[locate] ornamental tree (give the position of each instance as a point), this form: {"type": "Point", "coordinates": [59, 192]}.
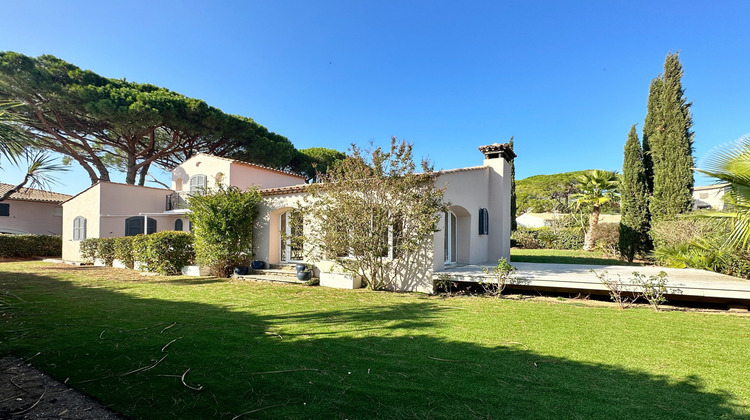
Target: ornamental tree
{"type": "Point", "coordinates": [223, 222]}
{"type": "Point", "coordinates": [373, 214]}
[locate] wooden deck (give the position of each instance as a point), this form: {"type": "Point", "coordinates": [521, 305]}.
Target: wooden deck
{"type": "Point", "coordinates": [682, 284]}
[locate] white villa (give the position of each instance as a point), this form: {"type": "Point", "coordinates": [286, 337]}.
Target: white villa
{"type": "Point", "coordinates": [711, 196]}
{"type": "Point", "coordinates": [475, 230]}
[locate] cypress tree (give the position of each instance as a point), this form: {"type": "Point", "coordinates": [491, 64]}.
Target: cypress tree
{"type": "Point", "coordinates": [513, 206]}
{"type": "Point", "coordinates": [653, 120]}
{"type": "Point", "coordinates": [671, 146]}
{"type": "Point", "coordinates": [634, 224]}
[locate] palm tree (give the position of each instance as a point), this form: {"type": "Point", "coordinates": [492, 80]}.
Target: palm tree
{"type": "Point", "coordinates": [732, 164]}
{"type": "Point", "coordinates": [15, 146]}
{"type": "Point", "coordinates": [596, 188]}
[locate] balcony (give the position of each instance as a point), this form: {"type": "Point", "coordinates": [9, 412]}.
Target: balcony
{"type": "Point", "coordinates": [177, 200]}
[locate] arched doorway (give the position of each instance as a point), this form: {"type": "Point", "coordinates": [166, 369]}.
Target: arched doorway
{"type": "Point", "coordinates": [450, 241]}
{"type": "Point", "coordinates": [290, 237]}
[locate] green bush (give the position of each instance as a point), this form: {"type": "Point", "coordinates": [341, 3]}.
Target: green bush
{"type": "Point", "coordinates": [223, 223]}
{"type": "Point", "coordinates": [87, 249]}
{"type": "Point", "coordinates": [164, 252]}
{"type": "Point", "coordinates": [123, 247]}
{"type": "Point", "coordinates": [525, 238]}
{"type": "Point", "coordinates": [24, 246]}
{"type": "Point", "coordinates": [569, 238]}
{"type": "Point", "coordinates": [105, 250]}
{"type": "Point", "coordinates": [545, 237]}
{"type": "Point", "coordinates": [607, 238]}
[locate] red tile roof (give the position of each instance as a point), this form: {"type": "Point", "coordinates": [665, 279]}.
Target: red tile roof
{"type": "Point", "coordinates": [33, 194]}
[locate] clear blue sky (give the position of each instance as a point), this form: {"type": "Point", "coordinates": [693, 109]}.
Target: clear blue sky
{"type": "Point", "coordinates": [566, 78]}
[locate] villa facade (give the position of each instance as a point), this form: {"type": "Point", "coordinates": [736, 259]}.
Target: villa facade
{"type": "Point", "coordinates": [475, 230]}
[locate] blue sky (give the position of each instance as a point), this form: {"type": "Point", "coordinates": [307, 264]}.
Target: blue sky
{"type": "Point", "coordinates": [567, 79]}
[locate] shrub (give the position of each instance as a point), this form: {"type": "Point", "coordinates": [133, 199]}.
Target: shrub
{"type": "Point", "coordinates": [24, 246]}
{"type": "Point", "coordinates": [87, 249]}
{"type": "Point", "coordinates": [685, 230]}
{"type": "Point", "coordinates": [498, 277]}
{"type": "Point", "coordinates": [164, 252]}
{"type": "Point", "coordinates": [105, 250]}
{"type": "Point", "coordinates": [525, 238]}
{"type": "Point", "coordinates": [569, 238]}
{"type": "Point", "coordinates": [123, 247]}
{"type": "Point", "coordinates": [606, 238]}
{"type": "Point", "coordinates": [223, 222]}
{"type": "Point", "coordinates": [546, 237]}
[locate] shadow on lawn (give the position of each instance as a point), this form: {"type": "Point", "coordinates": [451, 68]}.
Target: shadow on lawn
{"type": "Point", "coordinates": [244, 361]}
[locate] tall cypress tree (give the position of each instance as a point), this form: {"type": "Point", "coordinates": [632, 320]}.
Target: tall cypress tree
{"type": "Point", "coordinates": [671, 146]}
{"type": "Point", "coordinates": [634, 224]}
{"type": "Point", "coordinates": [513, 206]}
{"type": "Point", "coordinates": [653, 120]}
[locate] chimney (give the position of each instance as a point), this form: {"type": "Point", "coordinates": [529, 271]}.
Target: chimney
{"type": "Point", "coordinates": [496, 151]}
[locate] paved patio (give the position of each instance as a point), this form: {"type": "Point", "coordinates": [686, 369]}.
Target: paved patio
{"type": "Point", "coordinates": [689, 283]}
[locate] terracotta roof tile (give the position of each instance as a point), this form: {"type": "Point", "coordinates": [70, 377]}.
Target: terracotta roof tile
{"type": "Point", "coordinates": [33, 194]}
{"type": "Point", "coordinates": [284, 190]}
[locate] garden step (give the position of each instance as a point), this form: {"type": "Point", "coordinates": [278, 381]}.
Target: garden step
{"type": "Point", "coordinates": [283, 267]}
{"type": "Point", "coordinates": [275, 272]}
{"type": "Point", "coordinates": [271, 278]}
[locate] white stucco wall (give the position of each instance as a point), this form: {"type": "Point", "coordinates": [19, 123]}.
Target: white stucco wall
{"type": "Point", "coordinates": [35, 217]}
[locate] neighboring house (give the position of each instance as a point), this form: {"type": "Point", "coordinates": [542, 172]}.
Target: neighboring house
{"type": "Point", "coordinates": [710, 196]}
{"type": "Point", "coordinates": [475, 230]}
{"type": "Point", "coordinates": [537, 220]}
{"type": "Point", "coordinates": [31, 210]}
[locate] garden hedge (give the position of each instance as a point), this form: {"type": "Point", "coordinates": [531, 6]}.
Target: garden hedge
{"type": "Point", "coordinates": [24, 246]}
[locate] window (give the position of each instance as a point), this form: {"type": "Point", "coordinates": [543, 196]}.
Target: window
{"type": "Point", "coordinates": [4, 209]}
{"type": "Point", "coordinates": [703, 195]}
{"type": "Point", "coordinates": [79, 228]}
{"type": "Point", "coordinates": [197, 184]}
{"type": "Point", "coordinates": [134, 226]}
{"type": "Point", "coordinates": [484, 222]}
{"type": "Point", "coordinates": [178, 225]}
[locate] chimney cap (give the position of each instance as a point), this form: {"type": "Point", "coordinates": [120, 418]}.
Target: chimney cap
{"type": "Point", "coordinates": [495, 150]}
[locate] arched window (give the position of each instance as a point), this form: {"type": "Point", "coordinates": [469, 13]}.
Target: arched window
{"type": "Point", "coordinates": [484, 222]}
{"type": "Point", "coordinates": [79, 228]}
{"type": "Point", "coordinates": [178, 225]}
{"type": "Point", "coordinates": [134, 226]}
{"type": "Point", "coordinates": [197, 184]}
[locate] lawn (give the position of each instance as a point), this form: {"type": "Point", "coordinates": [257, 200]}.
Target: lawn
{"type": "Point", "coordinates": [564, 256]}
{"type": "Point", "coordinates": [289, 351]}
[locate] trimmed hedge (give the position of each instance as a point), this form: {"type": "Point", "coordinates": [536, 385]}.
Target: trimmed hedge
{"type": "Point", "coordinates": [163, 252]}
{"type": "Point", "coordinates": [24, 246]}
{"type": "Point", "coordinates": [548, 238]}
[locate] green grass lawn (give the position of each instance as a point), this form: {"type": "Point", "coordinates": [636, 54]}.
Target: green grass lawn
{"type": "Point", "coordinates": [289, 351]}
{"type": "Point", "coordinates": [563, 256]}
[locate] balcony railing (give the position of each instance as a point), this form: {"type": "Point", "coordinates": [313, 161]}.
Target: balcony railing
{"type": "Point", "coordinates": [177, 200]}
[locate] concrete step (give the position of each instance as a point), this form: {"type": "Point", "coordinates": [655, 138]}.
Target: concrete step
{"type": "Point", "coordinates": [271, 278]}
{"type": "Point", "coordinates": [275, 272]}
{"type": "Point", "coordinates": [284, 267]}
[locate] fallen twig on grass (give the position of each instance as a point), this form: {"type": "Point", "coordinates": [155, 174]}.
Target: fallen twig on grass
{"type": "Point", "coordinates": [287, 370]}
{"type": "Point", "coordinates": [167, 345]}
{"type": "Point", "coordinates": [273, 333]}
{"type": "Point", "coordinates": [141, 369]}
{"type": "Point", "coordinates": [100, 334]}
{"type": "Point", "coordinates": [256, 410]}
{"type": "Point", "coordinates": [182, 378]}
{"type": "Point", "coordinates": [32, 405]}
{"type": "Point", "coordinates": [449, 360]}
{"type": "Point", "coordinates": [168, 327]}
{"type": "Point", "coordinates": [519, 343]}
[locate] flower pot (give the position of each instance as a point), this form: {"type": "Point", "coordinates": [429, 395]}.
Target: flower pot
{"type": "Point", "coordinates": [240, 271]}
{"type": "Point", "coordinates": [301, 267]}
{"type": "Point", "coordinates": [258, 265]}
{"type": "Point", "coordinates": [304, 275]}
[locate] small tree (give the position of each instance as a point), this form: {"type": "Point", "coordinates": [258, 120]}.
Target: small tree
{"type": "Point", "coordinates": [497, 277]}
{"type": "Point", "coordinates": [223, 223]}
{"type": "Point", "coordinates": [597, 188]}
{"type": "Point", "coordinates": [373, 215]}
